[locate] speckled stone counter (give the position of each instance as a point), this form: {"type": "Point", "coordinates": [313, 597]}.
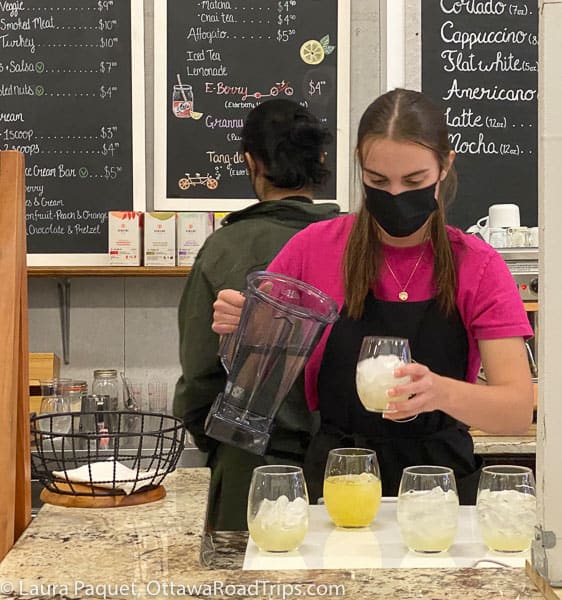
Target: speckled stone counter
{"type": "Point", "coordinates": [159, 550]}
{"type": "Point", "coordinates": [495, 444]}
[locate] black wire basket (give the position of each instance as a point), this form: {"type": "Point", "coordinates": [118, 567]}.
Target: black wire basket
{"type": "Point", "coordinates": [120, 452]}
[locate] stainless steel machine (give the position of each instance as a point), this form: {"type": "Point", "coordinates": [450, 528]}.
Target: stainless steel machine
{"type": "Point", "coordinates": [524, 266]}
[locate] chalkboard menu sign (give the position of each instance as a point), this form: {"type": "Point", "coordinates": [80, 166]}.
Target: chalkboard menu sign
{"type": "Point", "coordinates": [68, 102]}
{"type": "Point", "coordinates": [479, 60]}
{"type": "Point", "coordinates": [215, 60]}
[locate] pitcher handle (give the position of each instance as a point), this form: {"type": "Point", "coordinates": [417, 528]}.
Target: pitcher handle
{"type": "Point", "coordinates": [226, 350]}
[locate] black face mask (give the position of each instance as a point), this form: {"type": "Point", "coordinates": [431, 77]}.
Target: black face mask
{"type": "Point", "coordinates": [402, 214]}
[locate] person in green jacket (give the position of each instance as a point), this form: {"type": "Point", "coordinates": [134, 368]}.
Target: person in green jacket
{"type": "Point", "coordinates": [284, 147]}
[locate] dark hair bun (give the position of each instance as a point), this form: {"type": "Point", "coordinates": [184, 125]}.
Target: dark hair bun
{"type": "Point", "coordinates": [289, 141]}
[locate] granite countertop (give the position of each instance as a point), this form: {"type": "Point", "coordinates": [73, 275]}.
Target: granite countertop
{"type": "Point", "coordinates": [156, 551]}
{"type": "Point", "coordinates": [505, 444]}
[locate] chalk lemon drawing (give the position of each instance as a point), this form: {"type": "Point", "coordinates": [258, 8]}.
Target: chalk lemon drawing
{"type": "Point", "coordinates": [196, 115]}
{"type": "Point", "coordinates": [313, 52]}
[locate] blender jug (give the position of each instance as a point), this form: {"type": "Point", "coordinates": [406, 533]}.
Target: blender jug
{"type": "Point", "coordinates": [281, 323]}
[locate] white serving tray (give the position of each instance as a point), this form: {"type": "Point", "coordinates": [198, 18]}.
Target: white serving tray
{"type": "Point", "coordinates": [378, 546]}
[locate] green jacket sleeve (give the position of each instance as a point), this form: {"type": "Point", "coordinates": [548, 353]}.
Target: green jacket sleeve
{"type": "Point", "coordinates": [203, 376]}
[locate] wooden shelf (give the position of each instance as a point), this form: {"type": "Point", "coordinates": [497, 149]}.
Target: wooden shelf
{"type": "Point", "coordinates": [101, 271]}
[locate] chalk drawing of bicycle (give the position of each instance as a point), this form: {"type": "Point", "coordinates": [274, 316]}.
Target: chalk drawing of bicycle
{"type": "Point", "coordinates": [212, 183]}
{"type": "Point", "coordinates": [278, 88]}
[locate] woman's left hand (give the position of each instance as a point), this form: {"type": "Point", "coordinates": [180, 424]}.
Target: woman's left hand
{"type": "Point", "coordinates": [424, 392]}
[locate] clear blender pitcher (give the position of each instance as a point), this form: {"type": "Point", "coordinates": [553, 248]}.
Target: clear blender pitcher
{"type": "Point", "coordinates": [281, 323]}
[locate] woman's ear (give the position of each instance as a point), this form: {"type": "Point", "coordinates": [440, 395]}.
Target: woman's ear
{"type": "Point", "coordinates": [445, 169]}
{"type": "Point", "coordinates": [251, 164]}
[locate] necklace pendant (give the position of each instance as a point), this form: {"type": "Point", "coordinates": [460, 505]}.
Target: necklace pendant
{"type": "Point", "coordinates": [403, 295]}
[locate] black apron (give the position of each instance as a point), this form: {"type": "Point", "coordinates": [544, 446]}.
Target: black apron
{"type": "Point", "coordinates": [437, 341]}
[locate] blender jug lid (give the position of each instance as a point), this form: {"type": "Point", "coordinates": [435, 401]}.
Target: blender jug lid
{"type": "Point", "coordinates": [326, 310]}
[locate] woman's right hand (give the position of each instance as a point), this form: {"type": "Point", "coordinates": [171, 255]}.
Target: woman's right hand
{"type": "Point", "coordinates": [227, 310]}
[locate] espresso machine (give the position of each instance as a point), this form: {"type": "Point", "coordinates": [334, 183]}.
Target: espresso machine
{"type": "Point", "coordinates": [523, 264]}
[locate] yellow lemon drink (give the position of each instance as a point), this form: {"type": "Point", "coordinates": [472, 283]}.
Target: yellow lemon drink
{"type": "Point", "coordinates": [279, 525]}
{"type": "Point", "coordinates": [506, 519]}
{"type": "Point", "coordinates": [428, 519]}
{"type": "Point", "coordinates": [276, 538]}
{"type": "Point", "coordinates": [352, 500]}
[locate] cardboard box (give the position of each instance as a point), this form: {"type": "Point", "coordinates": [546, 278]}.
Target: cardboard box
{"type": "Point", "coordinates": [192, 231]}
{"type": "Point", "coordinates": [42, 365]}
{"type": "Point", "coordinates": [125, 238]}
{"type": "Point", "coordinates": [218, 217]}
{"type": "Point", "coordinates": [160, 239]}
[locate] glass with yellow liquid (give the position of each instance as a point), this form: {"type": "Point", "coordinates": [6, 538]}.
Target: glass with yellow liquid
{"type": "Point", "coordinates": [352, 486]}
{"type": "Point", "coordinates": [278, 508]}
{"type": "Point", "coordinates": [506, 507]}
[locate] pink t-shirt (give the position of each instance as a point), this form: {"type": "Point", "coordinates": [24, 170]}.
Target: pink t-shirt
{"type": "Point", "coordinates": [487, 297]}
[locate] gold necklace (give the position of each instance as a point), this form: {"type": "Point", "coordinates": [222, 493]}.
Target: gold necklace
{"type": "Point", "coordinates": [403, 294]}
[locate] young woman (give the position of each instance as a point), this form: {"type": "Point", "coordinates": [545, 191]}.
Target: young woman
{"type": "Point", "coordinates": [284, 146]}
{"type": "Point", "coordinates": [396, 269]}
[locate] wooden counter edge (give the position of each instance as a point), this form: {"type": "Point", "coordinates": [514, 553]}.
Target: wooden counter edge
{"type": "Point", "coordinates": [541, 583]}
{"type": "Point", "coordinates": [101, 271]}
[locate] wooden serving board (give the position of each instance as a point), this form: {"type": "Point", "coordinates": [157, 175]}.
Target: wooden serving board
{"type": "Point", "coordinates": [71, 500]}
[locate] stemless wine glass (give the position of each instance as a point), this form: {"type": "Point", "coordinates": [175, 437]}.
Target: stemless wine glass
{"type": "Point", "coordinates": [278, 508]}
{"type": "Point", "coordinates": [506, 507]}
{"type": "Point", "coordinates": [378, 358]}
{"type": "Point", "coordinates": [428, 508]}
{"type": "Point", "coordinates": [352, 486]}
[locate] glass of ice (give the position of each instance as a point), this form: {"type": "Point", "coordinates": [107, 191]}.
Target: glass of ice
{"type": "Point", "coordinates": [352, 486]}
{"type": "Point", "coordinates": [378, 358]}
{"type": "Point", "coordinates": [278, 508]}
{"type": "Point", "coordinates": [427, 509]}
{"type": "Point", "coordinates": [506, 507]}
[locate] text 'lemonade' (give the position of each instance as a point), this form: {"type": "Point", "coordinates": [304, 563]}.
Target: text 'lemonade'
{"type": "Point", "coordinates": [374, 377]}
{"type": "Point", "coordinates": [506, 519]}
{"type": "Point", "coordinates": [352, 500]}
{"type": "Point", "coordinates": [279, 525]}
{"type": "Point", "coordinates": [428, 519]}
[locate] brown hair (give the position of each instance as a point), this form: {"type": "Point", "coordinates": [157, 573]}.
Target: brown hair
{"type": "Point", "coordinates": [401, 115]}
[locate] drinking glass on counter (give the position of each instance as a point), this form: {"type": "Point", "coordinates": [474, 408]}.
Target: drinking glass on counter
{"type": "Point", "coordinates": [427, 508]}
{"type": "Point", "coordinates": [378, 358]}
{"type": "Point", "coordinates": [278, 508]}
{"type": "Point", "coordinates": [352, 486]}
{"type": "Point", "coordinates": [506, 507]}
{"type": "Point", "coordinates": [54, 405]}
{"type": "Point", "coordinates": [158, 396]}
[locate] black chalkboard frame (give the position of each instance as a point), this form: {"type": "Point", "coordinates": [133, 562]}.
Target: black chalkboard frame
{"type": "Point", "coordinates": [138, 200]}
{"type": "Point", "coordinates": [163, 201]}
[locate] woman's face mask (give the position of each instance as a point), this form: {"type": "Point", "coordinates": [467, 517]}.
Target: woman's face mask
{"type": "Point", "coordinates": [402, 214]}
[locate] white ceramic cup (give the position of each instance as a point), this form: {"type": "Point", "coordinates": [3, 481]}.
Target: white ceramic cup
{"type": "Point", "coordinates": [503, 215]}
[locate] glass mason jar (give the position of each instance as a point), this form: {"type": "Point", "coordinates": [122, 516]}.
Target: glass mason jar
{"type": "Point", "coordinates": [75, 390]}
{"type": "Point", "coordinates": [106, 384]}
